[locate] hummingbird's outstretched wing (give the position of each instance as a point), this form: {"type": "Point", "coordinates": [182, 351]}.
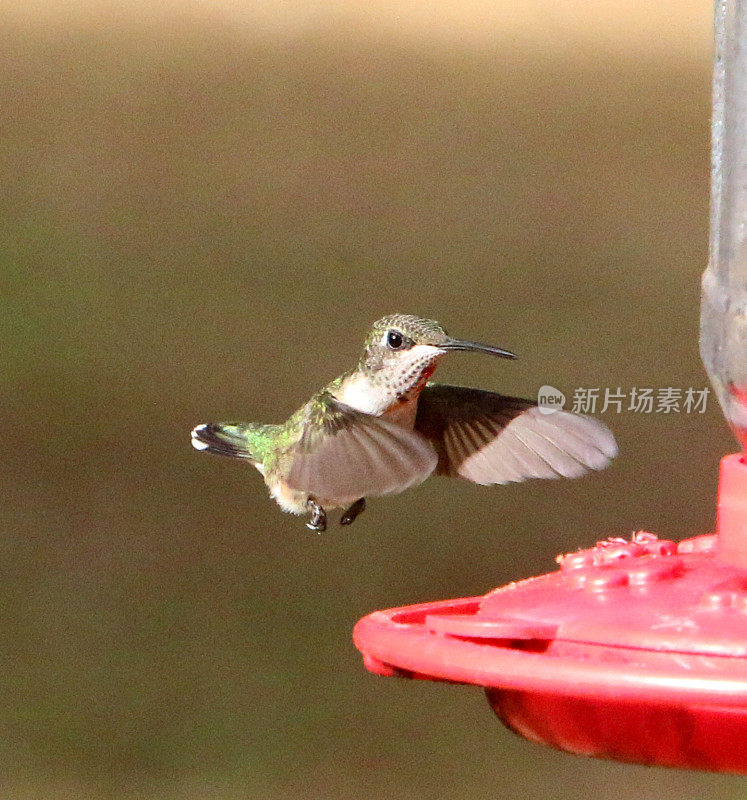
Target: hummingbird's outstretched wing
{"type": "Point", "coordinates": [344, 453]}
{"type": "Point", "coordinates": [490, 438]}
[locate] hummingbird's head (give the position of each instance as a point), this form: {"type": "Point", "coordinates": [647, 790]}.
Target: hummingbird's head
{"type": "Point", "coordinates": [402, 351]}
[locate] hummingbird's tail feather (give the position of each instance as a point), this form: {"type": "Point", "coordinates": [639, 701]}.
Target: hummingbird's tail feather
{"type": "Point", "coordinates": [233, 439]}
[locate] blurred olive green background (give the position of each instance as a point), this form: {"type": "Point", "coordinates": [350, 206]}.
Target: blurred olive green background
{"type": "Point", "coordinates": [203, 206]}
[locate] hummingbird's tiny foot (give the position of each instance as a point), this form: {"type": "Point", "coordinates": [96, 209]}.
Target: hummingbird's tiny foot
{"type": "Point", "coordinates": [350, 515]}
{"type": "Point", "coordinates": [317, 527]}
{"type": "Point", "coordinates": [318, 521]}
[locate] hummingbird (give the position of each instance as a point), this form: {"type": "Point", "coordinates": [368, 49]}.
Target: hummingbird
{"type": "Point", "coordinates": [383, 427]}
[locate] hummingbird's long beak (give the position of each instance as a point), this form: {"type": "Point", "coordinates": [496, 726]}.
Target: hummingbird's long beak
{"type": "Point", "coordinates": [463, 344]}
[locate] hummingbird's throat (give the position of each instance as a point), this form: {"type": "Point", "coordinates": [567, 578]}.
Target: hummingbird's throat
{"type": "Point", "coordinates": [408, 374]}
{"type": "Point", "coordinates": [393, 384]}
{"type": "Point", "coordinates": [426, 373]}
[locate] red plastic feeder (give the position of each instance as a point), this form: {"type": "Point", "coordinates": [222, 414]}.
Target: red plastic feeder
{"type": "Point", "coordinates": [632, 650]}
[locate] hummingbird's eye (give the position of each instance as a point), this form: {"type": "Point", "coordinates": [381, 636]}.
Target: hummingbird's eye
{"type": "Point", "coordinates": [394, 339]}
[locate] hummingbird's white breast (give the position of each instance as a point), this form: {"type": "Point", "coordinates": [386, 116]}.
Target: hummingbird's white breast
{"type": "Point", "coordinates": [393, 390]}
{"type": "Point", "coordinates": [361, 393]}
